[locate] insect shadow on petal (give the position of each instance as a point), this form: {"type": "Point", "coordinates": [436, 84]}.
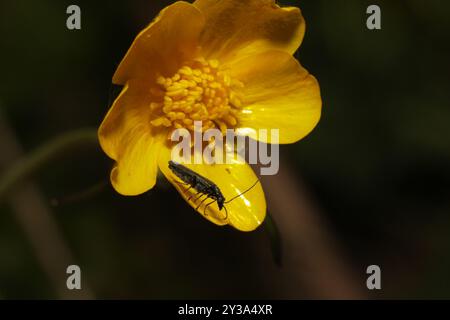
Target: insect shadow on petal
{"type": "Point", "coordinates": [203, 186]}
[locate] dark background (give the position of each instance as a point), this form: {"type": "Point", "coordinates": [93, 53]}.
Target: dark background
{"type": "Point", "coordinates": [377, 165]}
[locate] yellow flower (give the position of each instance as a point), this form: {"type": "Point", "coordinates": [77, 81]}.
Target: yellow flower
{"type": "Point", "coordinates": [226, 62]}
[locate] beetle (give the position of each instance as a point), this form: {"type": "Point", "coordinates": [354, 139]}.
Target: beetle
{"type": "Point", "coordinates": [203, 186]}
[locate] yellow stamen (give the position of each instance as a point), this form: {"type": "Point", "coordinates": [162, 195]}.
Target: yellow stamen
{"type": "Point", "coordinates": [197, 91]}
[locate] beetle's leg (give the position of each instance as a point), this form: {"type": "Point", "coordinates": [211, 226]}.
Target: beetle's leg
{"type": "Point", "coordinates": [207, 197]}
{"type": "Point", "coordinates": [186, 190]}
{"type": "Point", "coordinates": [204, 211]}
{"type": "Point", "coordinates": [181, 183]}
{"type": "Point", "coordinates": [200, 194]}
{"type": "Point", "coordinates": [193, 196]}
{"type": "Point", "coordinates": [198, 198]}
{"type": "Point", "coordinates": [184, 184]}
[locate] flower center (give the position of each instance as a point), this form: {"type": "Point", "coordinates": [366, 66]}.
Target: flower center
{"type": "Point", "coordinates": [199, 91]}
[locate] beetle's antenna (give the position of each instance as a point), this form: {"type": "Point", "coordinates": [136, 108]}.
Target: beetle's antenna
{"type": "Point", "coordinates": [242, 192]}
{"type": "Point", "coordinates": [226, 213]}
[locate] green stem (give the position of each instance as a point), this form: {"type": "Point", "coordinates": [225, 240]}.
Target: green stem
{"type": "Point", "coordinates": [275, 239]}
{"type": "Point", "coordinates": [81, 195]}
{"type": "Point", "coordinates": [43, 155]}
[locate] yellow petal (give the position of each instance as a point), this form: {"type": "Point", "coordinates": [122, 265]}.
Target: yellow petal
{"type": "Point", "coordinates": [236, 28]}
{"type": "Point", "coordinates": [136, 168]}
{"type": "Point", "coordinates": [279, 94]}
{"type": "Point", "coordinates": [244, 213]}
{"type": "Point", "coordinates": [129, 111]}
{"type": "Point", "coordinates": [125, 136]}
{"type": "Point", "coordinates": [164, 45]}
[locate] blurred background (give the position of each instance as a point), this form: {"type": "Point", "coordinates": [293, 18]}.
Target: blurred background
{"type": "Point", "coordinates": [370, 185]}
